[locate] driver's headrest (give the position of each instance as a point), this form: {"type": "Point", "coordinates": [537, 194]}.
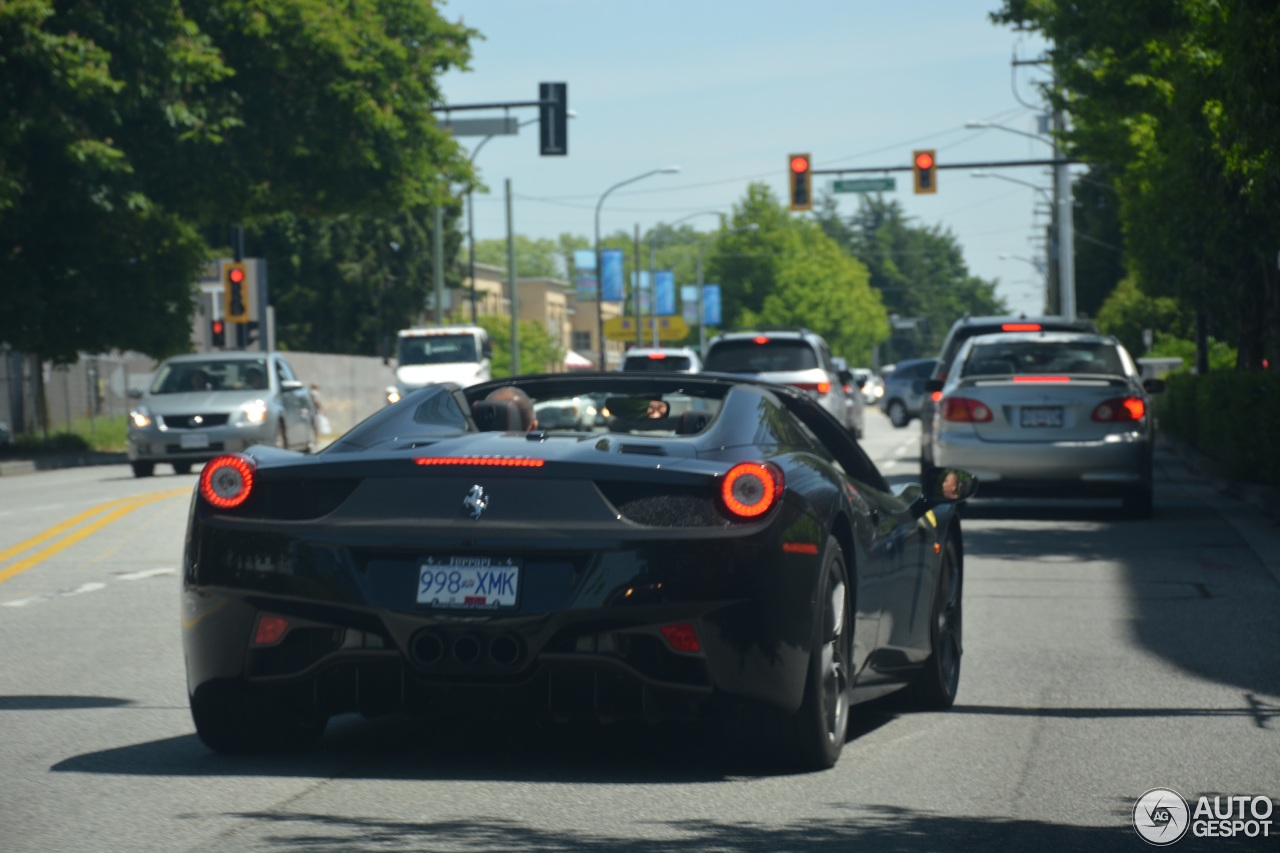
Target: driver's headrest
{"type": "Point", "coordinates": [497, 416]}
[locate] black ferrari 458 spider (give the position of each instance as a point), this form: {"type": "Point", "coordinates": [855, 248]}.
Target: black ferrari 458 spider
{"type": "Point", "coordinates": [687, 546]}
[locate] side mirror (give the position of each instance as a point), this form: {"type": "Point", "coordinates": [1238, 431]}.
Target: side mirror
{"type": "Point", "coordinates": [291, 385]}
{"type": "Point", "coordinates": [134, 393]}
{"type": "Point", "coordinates": [486, 349]}
{"type": "Point", "coordinates": [846, 377]}
{"type": "Point", "coordinates": [1153, 386]}
{"type": "Point", "coordinates": [950, 484]}
{"type": "Point", "coordinates": [931, 385]}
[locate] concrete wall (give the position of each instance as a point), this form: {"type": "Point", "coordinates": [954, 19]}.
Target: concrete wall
{"type": "Point", "coordinates": [351, 387]}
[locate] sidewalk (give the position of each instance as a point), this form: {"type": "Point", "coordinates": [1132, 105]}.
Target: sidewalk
{"type": "Point", "coordinates": [1252, 510]}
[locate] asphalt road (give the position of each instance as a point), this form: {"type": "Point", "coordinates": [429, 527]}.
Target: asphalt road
{"type": "Point", "coordinates": [1103, 658]}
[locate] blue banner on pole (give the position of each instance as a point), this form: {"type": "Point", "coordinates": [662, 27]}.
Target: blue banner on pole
{"type": "Point", "coordinates": [611, 275]}
{"type": "Point", "coordinates": [584, 275]}
{"type": "Point", "coordinates": [641, 286]}
{"type": "Point", "coordinates": [711, 304]}
{"type": "Point", "coordinates": [664, 289]}
{"type": "Point", "coordinates": [689, 303]}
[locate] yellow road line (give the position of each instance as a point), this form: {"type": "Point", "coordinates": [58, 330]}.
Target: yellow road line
{"type": "Point", "coordinates": [122, 507]}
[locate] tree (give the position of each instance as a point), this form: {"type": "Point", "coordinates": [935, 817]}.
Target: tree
{"type": "Point", "coordinates": [919, 273]}
{"type": "Point", "coordinates": [538, 350]}
{"type": "Point", "coordinates": [129, 127]}
{"type": "Point", "coordinates": [788, 272]}
{"type": "Point", "coordinates": [535, 258]}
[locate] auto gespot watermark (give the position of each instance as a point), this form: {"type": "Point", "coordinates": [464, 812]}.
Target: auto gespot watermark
{"type": "Point", "coordinates": [1162, 816]}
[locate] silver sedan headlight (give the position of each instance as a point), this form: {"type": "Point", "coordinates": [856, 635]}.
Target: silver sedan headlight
{"type": "Point", "coordinates": [252, 413]}
{"type": "Point", "coordinates": [140, 418]}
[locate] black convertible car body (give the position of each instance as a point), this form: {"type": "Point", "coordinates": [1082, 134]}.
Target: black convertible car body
{"type": "Point", "coordinates": [732, 552]}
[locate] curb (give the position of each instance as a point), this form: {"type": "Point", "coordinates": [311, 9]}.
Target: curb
{"type": "Point", "coordinates": [51, 462]}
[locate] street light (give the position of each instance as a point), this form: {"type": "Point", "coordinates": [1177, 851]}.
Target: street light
{"type": "Point", "coordinates": [1064, 209]}
{"type": "Point", "coordinates": [665, 170]}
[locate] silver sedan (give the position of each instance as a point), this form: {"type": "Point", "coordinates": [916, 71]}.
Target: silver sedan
{"type": "Point", "coordinates": [200, 406]}
{"type": "Point", "coordinates": [1049, 413]}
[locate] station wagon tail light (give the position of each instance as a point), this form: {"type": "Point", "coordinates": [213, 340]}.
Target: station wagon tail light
{"type": "Point", "coordinates": [1120, 410]}
{"type": "Point", "coordinates": [761, 339]}
{"type": "Point", "coordinates": [657, 355]}
{"type": "Point", "coordinates": [820, 387]}
{"type": "Point", "coordinates": [965, 410]}
{"type": "Point", "coordinates": [227, 481]}
{"type": "Point", "coordinates": [1020, 327]}
{"type": "Point", "coordinates": [750, 489]}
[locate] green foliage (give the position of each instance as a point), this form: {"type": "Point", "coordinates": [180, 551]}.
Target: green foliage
{"type": "Point", "coordinates": [1175, 101]}
{"type": "Point", "coordinates": [106, 434]}
{"type": "Point", "coordinates": [1127, 312]}
{"type": "Point", "coordinates": [1222, 356]}
{"type": "Point", "coordinates": [787, 272]}
{"type": "Point", "coordinates": [538, 350]}
{"type": "Point", "coordinates": [540, 258]}
{"type": "Point", "coordinates": [129, 127]}
{"type": "Point", "coordinates": [919, 272]}
{"type": "Point", "coordinates": [1218, 414]}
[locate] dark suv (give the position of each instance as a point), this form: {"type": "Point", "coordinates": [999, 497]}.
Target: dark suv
{"type": "Point", "coordinates": [961, 331]}
{"type": "Point", "coordinates": [796, 357]}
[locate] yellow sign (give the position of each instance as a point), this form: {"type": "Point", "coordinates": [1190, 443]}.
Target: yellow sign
{"type": "Point", "coordinates": [623, 329]}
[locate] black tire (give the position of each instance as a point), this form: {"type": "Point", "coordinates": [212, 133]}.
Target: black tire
{"type": "Point", "coordinates": [897, 412]}
{"type": "Point", "coordinates": [934, 689]}
{"type": "Point", "coordinates": [1138, 504]}
{"type": "Point", "coordinates": [234, 717]}
{"type": "Point", "coordinates": [143, 469]}
{"type": "Point", "coordinates": [182, 467]}
{"type": "Point", "coordinates": [817, 731]}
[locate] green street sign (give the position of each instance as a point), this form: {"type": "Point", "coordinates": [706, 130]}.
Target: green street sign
{"type": "Point", "coordinates": [864, 185]}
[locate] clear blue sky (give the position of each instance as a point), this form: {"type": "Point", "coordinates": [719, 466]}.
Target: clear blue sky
{"type": "Point", "coordinates": [726, 89]}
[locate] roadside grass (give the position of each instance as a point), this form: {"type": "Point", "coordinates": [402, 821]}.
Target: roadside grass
{"type": "Point", "coordinates": [85, 435]}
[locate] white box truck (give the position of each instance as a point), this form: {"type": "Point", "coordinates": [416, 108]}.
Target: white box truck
{"type": "Point", "coordinates": [433, 354]}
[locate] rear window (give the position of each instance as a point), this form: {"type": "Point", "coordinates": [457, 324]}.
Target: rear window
{"type": "Point", "coordinates": [639, 363]}
{"type": "Point", "coordinates": [972, 330]}
{"type": "Point", "coordinates": [1043, 357]}
{"type": "Point", "coordinates": [748, 356]}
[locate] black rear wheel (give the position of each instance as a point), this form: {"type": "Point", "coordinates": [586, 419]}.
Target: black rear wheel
{"type": "Point", "coordinates": [182, 467]}
{"type": "Point", "coordinates": [935, 687]}
{"type": "Point", "coordinates": [897, 413]}
{"type": "Point", "coordinates": [819, 728]}
{"type": "Point", "coordinates": [143, 469]}
{"type": "Point", "coordinates": [232, 716]}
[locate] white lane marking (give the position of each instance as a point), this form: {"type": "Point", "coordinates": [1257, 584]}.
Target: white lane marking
{"type": "Point", "coordinates": [147, 573]}
{"type": "Point", "coordinates": [92, 586]}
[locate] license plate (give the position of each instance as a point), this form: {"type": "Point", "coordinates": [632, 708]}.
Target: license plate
{"type": "Point", "coordinates": [194, 441]}
{"type": "Point", "coordinates": [475, 583]}
{"type": "Point", "coordinates": [1042, 416]}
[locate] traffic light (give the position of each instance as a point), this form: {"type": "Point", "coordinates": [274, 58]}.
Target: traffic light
{"type": "Point", "coordinates": [235, 281]}
{"type": "Point", "coordinates": [553, 119]}
{"type": "Point", "coordinates": [925, 167]}
{"type": "Point", "coordinates": [801, 180]}
{"type": "Point", "coordinates": [218, 332]}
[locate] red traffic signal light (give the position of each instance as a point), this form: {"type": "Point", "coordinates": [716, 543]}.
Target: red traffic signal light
{"type": "Point", "coordinates": [235, 282]}
{"type": "Point", "coordinates": [925, 166]}
{"type": "Point", "coordinates": [801, 182]}
{"type": "Point", "coordinates": [218, 333]}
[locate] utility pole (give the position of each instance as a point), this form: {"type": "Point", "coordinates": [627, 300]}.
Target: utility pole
{"type": "Point", "coordinates": [515, 290]}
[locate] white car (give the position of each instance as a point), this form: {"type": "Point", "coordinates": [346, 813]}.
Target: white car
{"type": "Point", "coordinates": [661, 360]}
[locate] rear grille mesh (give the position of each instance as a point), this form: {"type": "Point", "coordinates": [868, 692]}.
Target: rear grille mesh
{"type": "Point", "coordinates": [663, 506]}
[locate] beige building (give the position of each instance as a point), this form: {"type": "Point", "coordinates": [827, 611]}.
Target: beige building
{"type": "Point", "coordinates": [550, 302]}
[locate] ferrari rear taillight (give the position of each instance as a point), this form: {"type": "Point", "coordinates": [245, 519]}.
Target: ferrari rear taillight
{"type": "Point", "coordinates": [1120, 410]}
{"type": "Point", "coordinates": [965, 410]}
{"type": "Point", "coordinates": [227, 480]}
{"type": "Point", "coordinates": [681, 637]}
{"type": "Point", "coordinates": [750, 489]}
